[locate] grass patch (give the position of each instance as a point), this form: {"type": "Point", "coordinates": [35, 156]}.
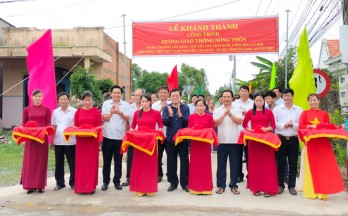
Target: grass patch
{"type": "Point", "coordinates": [11, 158]}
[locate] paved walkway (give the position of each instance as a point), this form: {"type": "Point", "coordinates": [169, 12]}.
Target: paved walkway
{"type": "Point", "coordinates": [15, 201]}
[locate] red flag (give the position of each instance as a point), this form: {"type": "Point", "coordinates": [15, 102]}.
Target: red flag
{"type": "Point", "coordinates": [173, 81]}
{"type": "Point", "coordinates": [42, 75]}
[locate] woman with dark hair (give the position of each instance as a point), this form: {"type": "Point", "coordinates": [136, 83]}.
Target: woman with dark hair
{"type": "Point", "coordinates": [321, 172]}
{"type": "Point", "coordinates": [262, 170]}
{"type": "Point", "coordinates": [144, 172]}
{"type": "Point", "coordinates": [35, 159]}
{"type": "Point", "coordinates": [87, 148]}
{"type": "Point", "coordinates": [200, 170]}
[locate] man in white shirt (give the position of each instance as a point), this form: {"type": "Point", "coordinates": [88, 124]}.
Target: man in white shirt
{"type": "Point", "coordinates": [270, 100]}
{"type": "Point", "coordinates": [132, 108]}
{"type": "Point", "coordinates": [115, 114]}
{"type": "Point", "coordinates": [227, 118]}
{"type": "Point", "coordinates": [278, 91]}
{"type": "Point", "coordinates": [287, 117]}
{"type": "Point", "coordinates": [192, 105]}
{"type": "Point", "coordinates": [163, 93]}
{"type": "Point", "coordinates": [62, 118]}
{"type": "Point", "coordinates": [245, 104]}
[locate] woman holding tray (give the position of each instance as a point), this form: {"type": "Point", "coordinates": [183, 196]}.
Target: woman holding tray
{"type": "Point", "coordinates": [144, 173]}
{"type": "Point", "coordinates": [262, 170]}
{"type": "Point", "coordinates": [321, 173]}
{"type": "Point", "coordinates": [87, 148]}
{"type": "Point", "coordinates": [35, 159]}
{"type": "Point", "coordinates": [200, 170]}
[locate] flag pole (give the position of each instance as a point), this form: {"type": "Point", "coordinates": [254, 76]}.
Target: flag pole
{"type": "Point", "coordinates": [286, 51]}
{"type": "Point", "coordinates": [124, 54]}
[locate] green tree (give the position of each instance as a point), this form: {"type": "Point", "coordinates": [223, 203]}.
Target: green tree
{"type": "Point", "coordinates": [331, 101]}
{"type": "Point", "coordinates": [137, 73]}
{"type": "Point", "coordinates": [280, 81]}
{"type": "Point", "coordinates": [104, 85]}
{"type": "Point", "coordinates": [265, 69]}
{"type": "Point", "coordinates": [262, 80]}
{"type": "Point", "coordinates": [264, 66]}
{"type": "Point", "coordinates": [219, 91]}
{"type": "Point", "coordinates": [84, 79]}
{"type": "Point", "coordinates": [152, 81]}
{"type": "Point", "coordinates": [195, 77]}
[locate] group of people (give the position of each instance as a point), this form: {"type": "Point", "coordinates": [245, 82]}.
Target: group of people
{"type": "Point", "coordinates": [273, 112]}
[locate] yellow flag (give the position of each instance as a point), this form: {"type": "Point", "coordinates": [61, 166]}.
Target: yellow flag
{"type": "Point", "coordinates": [250, 88]}
{"type": "Point", "coordinates": [273, 77]}
{"type": "Point", "coordinates": [302, 80]}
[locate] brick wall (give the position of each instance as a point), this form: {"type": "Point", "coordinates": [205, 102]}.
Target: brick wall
{"type": "Point", "coordinates": [115, 69]}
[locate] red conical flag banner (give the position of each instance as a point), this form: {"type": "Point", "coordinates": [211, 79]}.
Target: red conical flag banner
{"type": "Point", "coordinates": [173, 80]}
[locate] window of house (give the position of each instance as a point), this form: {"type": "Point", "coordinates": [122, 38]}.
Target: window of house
{"type": "Point", "coordinates": [342, 79]}
{"type": "Point", "coordinates": [343, 94]}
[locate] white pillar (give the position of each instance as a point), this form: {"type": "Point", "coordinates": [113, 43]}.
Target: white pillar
{"type": "Point", "coordinates": [87, 62]}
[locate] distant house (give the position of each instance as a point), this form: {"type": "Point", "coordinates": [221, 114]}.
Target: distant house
{"type": "Point", "coordinates": [81, 46]}
{"type": "Point", "coordinates": [330, 57]}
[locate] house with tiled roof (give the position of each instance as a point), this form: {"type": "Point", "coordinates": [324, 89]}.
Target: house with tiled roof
{"type": "Point", "coordinates": [330, 57]}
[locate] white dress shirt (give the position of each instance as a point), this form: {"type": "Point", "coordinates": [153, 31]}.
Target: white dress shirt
{"type": "Point", "coordinates": [158, 106]}
{"type": "Point", "coordinates": [228, 130]}
{"type": "Point", "coordinates": [63, 119]}
{"type": "Point", "coordinates": [279, 101]}
{"type": "Point", "coordinates": [115, 128]}
{"type": "Point", "coordinates": [283, 115]}
{"type": "Point", "coordinates": [132, 109]}
{"type": "Point", "coordinates": [248, 105]}
{"type": "Point", "coordinates": [192, 108]}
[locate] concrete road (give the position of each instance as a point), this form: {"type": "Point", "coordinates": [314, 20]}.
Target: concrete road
{"type": "Point", "coordinates": [15, 201]}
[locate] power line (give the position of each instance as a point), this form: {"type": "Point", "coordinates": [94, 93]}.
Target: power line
{"type": "Point", "coordinates": [275, 7]}
{"type": "Point", "coordinates": [204, 9]}
{"type": "Point", "coordinates": [13, 1]}
{"type": "Point", "coordinates": [258, 8]}
{"type": "Point", "coordinates": [47, 10]}
{"type": "Point", "coordinates": [270, 2]}
{"type": "Point", "coordinates": [184, 14]}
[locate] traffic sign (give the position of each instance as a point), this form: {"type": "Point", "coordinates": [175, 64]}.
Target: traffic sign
{"type": "Point", "coordinates": [322, 82]}
{"type": "Point", "coordinates": [188, 89]}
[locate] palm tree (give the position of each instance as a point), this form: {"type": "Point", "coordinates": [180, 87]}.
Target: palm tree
{"type": "Point", "coordinates": [262, 79]}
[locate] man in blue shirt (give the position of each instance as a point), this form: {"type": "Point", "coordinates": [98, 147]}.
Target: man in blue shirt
{"type": "Point", "coordinates": [175, 116]}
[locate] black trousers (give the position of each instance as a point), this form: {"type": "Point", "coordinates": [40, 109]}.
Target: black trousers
{"type": "Point", "coordinates": [130, 152]}
{"type": "Point", "coordinates": [230, 151]}
{"type": "Point", "coordinates": [288, 149]}
{"type": "Point", "coordinates": [111, 149]}
{"type": "Point", "coordinates": [172, 163]}
{"type": "Point", "coordinates": [161, 149]}
{"type": "Point", "coordinates": [69, 152]}
{"type": "Point", "coordinates": [243, 149]}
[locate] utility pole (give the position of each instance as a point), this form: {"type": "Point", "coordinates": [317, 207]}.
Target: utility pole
{"type": "Point", "coordinates": [124, 54]}
{"type": "Point", "coordinates": [233, 58]}
{"type": "Point", "coordinates": [286, 50]}
{"type": "Point", "coordinates": [344, 53]}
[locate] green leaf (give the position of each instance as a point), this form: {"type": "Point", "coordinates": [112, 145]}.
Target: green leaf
{"type": "Point", "coordinates": [265, 61]}
{"type": "Point", "coordinates": [261, 66]}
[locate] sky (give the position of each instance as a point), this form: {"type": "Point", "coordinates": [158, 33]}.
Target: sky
{"type": "Point", "coordinates": [54, 14]}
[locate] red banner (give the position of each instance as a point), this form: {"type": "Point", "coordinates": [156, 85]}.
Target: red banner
{"type": "Point", "coordinates": [257, 35]}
